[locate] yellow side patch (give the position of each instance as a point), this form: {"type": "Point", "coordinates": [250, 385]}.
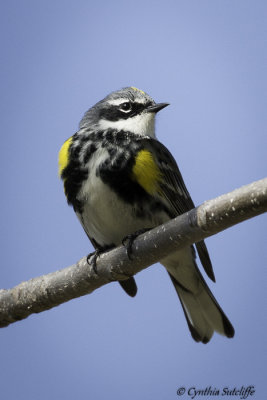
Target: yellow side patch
{"type": "Point", "coordinates": [63, 156]}
{"type": "Point", "coordinates": [138, 90]}
{"type": "Point", "coordinates": [146, 172]}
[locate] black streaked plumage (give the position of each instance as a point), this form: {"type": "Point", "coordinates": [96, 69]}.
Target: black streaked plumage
{"type": "Point", "coordinates": [115, 192]}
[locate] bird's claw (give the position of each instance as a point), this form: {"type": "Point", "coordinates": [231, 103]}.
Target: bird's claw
{"type": "Point", "coordinates": [128, 240]}
{"type": "Point", "coordinates": [91, 259]}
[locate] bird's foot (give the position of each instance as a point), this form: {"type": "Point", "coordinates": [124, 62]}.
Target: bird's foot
{"type": "Point", "coordinates": [128, 240]}
{"type": "Point", "coordinates": [92, 257]}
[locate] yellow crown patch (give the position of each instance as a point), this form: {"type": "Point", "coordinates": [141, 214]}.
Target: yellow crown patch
{"type": "Point", "coordinates": [138, 90]}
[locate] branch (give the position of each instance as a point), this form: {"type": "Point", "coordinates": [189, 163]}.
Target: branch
{"type": "Point", "coordinates": [213, 216]}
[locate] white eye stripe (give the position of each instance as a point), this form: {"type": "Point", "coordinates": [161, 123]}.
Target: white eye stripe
{"type": "Point", "coordinates": [119, 102]}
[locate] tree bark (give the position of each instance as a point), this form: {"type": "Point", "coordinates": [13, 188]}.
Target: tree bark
{"type": "Point", "coordinates": [213, 216]}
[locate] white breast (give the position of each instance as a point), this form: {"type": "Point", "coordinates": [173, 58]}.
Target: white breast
{"type": "Point", "coordinates": [106, 218]}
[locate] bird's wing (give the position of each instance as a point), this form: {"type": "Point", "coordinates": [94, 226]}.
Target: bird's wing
{"type": "Point", "coordinates": [172, 188]}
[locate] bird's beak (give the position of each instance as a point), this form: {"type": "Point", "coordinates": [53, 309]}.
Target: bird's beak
{"type": "Point", "coordinates": [157, 107]}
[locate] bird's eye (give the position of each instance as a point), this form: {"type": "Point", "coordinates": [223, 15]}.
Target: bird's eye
{"type": "Point", "coordinates": [126, 107]}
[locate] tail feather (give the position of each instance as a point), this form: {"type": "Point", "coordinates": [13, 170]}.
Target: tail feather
{"type": "Point", "coordinates": [203, 314]}
{"type": "Point", "coordinates": [213, 312]}
{"type": "Point", "coordinates": [197, 324]}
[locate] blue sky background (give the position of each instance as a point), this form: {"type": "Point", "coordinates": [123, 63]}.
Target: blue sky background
{"type": "Point", "coordinates": [208, 59]}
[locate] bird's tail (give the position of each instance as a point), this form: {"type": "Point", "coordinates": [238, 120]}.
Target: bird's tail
{"type": "Point", "coordinates": [202, 312]}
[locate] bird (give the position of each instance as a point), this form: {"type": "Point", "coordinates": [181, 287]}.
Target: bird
{"type": "Point", "coordinates": [121, 180]}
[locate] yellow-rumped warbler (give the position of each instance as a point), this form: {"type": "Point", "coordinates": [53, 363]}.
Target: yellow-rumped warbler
{"type": "Point", "coordinates": [121, 180]}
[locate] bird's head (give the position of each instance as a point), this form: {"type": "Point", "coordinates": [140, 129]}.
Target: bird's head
{"type": "Point", "coordinates": [128, 109]}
